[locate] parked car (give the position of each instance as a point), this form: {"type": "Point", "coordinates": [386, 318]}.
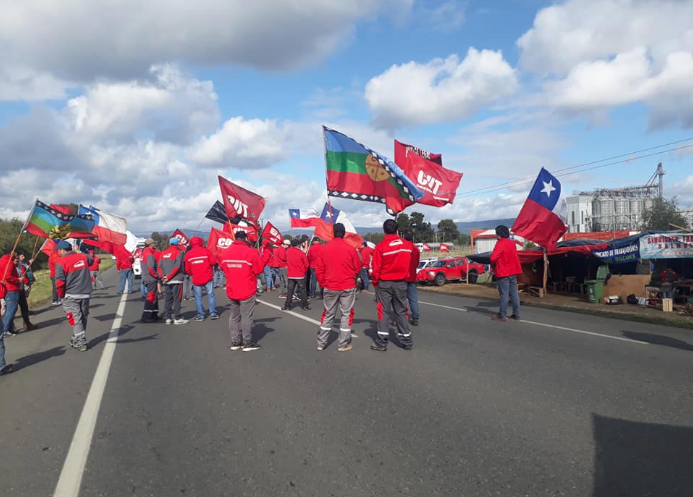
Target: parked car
{"type": "Point", "coordinates": [424, 263]}
{"type": "Point", "coordinates": [451, 269]}
{"type": "Point", "coordinates": [137, 263]}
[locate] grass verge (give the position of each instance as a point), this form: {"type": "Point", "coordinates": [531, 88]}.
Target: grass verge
{"type": "Point", "coordinates": [42, 290]}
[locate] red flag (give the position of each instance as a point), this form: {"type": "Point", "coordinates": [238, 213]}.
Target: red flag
{"type": "Point", "coordinates": [218, 241]}
{"type": "Point", "coordinates": [182, 238]}
{"type": "Point", "coordinates": [240, 202]}
{"type": "Point", "coordinates": [48, 246]}
{"type": "Point", "coordinates": [61, 208]}
{"type": "Point", "coordinates": [272, 234]}
{"type": "Point", "coordinates": [425, 247]}
{"type": "Point", "coordinates": [444, 247]}
{"type": "Point", "coordinates": [426, 171]}
{"type": "Point", "coordinates": [232, 229]}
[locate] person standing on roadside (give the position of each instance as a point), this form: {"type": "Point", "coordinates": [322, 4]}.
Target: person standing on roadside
{"type": "Point", "coordinates": [171, 274]}
{"type": "Point", "coordinates": [199, 264]}
{"type": "Point", "coordinates": [336, 268]}
{"type": "Point", "coordinates": [150, 279]}
{"type": "Point", "coordinates": [73, 279]}
{"type": "Point", "coordinates": [297, 268]}
{"type": "Point", "coordinates": [94, 270]}
{"type": "Point", "coordinates": [506, 266]}
{"type": "Point", "coordinates": [366, 256]}
{"type": "Point", "coordinates": [412, 291]}
{"type": "Point", "coordinates": [242, 265]}
{"type": "Point", "coordinates": [8, 271]}
{"type": "Point", "coordinates": [23, 272]}
{"type": "Point", "coordinates": [313, 256]}
{"type": "Point", "coordinates": [52, 261]}
{"type": "Point", "coordinates": [391, 259]}
{"type": "Point", "coordinates": [124, 267]}
{"type": "Point", "coordinates": [280, 268]}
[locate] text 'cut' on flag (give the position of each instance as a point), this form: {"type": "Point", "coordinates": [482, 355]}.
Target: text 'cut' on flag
{"type": "Point", "coordinates": [269, 232]}
{"type": "Point", "coordinates": [542, 218]}
{"type": "Point", "coordinates": [240, 202]}
{"type": "Point", "coordinates": [356, 172]}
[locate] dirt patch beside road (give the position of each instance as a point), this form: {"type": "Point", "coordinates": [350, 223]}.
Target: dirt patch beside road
{"type": "Point", "coordinates": [574, 303]}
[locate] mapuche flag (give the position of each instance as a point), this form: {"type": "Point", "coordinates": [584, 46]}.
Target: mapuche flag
{"type": "Point", "coordinates": [543, 216]}
{"type": "Point", "coordinates": [272, 234]}
{"type": "Point", "coordinates": [357, 172]}
{"type": "Point", "coordinates": [48, 222]}
{"type": "Point", "coordinates": [240, 202]}
{"type": "Point", "coordinates": [426, 170]}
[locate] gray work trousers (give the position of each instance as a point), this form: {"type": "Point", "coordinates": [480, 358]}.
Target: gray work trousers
{"type": "Point", "coordinates": [77, 311]}
{"type": "Point", "coordinates": [241, 313]}
{"type": "Point", "coordinates": [391, 297]}
{"type": "Point", "coordinates": [344, 299]}
{"type": "Point", "coordinates": [173, 294]}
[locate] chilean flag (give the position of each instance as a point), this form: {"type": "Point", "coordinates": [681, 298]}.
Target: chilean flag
{"type": "Point", "coordinates": [304, 218]}
{"type": "Point", "coordinates": [542, 218]}
{"type": "Point", "coordinates": [107, 227]}
{"type": "Point", "coordinates": [326, 231]}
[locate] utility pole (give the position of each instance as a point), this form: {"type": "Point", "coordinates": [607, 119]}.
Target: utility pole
{"type": "Point", "coordinates": [660, 174]}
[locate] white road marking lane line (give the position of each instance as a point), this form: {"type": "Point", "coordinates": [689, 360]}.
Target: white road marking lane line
{"type": "Point", "coordinates": [546, 325]}
{"type": "Point", "coordinates": [573, 330]}
{"type": "Point", "coordinates": [70, 479]}
{"type": "Point", "coordinates": [300, 316]}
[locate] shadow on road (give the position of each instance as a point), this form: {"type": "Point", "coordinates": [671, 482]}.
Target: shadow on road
{"type": "Point", "coordinates": [659, 340]}
{"type": "Point", "coordinates": [641, 459]}
{"type": "Point", "coordinates": [260, 330]}
{"type": "Point", "coordinates": [32, 359]}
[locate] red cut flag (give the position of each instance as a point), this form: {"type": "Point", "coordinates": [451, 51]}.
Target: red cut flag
{"type": "Point", "coordinates": [426, 171]}
{"type": "Point", "coordinates": [240, 202]}
{"type": "Point", "coordinates": [182, 238]}
{"type": "Point", "coordinates": [232, 229]}
{"type": "Point", "coordinates": [444, 247]}
{"type": "Point", "coordinates": [543, 215]}
{"type": "Point", "coordinates": [425, 247]}
{"type": "Point", "coordinates": [218, 242]}
{"type": "Point", "coordinates": [272, 234]}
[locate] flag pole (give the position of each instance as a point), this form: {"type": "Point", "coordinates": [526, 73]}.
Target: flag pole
{"type": "Point", "coordinates": [16, 242]}
{"type": "Point", "coordinates": [34, 251]}
{"type": "Point", "coordinates": [546, 271]}
{"type": "Point", "coordinates": [327, 191]}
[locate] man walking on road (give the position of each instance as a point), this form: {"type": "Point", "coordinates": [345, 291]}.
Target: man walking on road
{"type": "Point", "coordinates": [391, 260]}
{"type": "Point", "coordinates": [313, 254]}
{"type": "Point", "coordinates": [242, 265]}
{"type": "Point", "coordinates": [94, 270]}
{"type": "Point", "coordinates": [73, 280]}
{"type": "Point", "coordinates": [297, 269]}
{"type": "Point", "coordinates": [199, 264]}
{"type": "Point", "coordinates": [412, 291]}
{"type": "Point", "coordinates": [12, 284]}
{"type": "Point", "coordinates": [366, 256]}
{"type": "Point", "coordinates": [336, 268]}
{"type": "Point", "coordinates": [124, 267]}
{"type": "Point", "coordinates": [171, 274]}
{"type": "Point", "coordinates": [506, 266]}
{"type": "Point", "coordinates": [150, 279]}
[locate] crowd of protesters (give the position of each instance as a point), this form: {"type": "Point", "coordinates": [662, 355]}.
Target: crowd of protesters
{"type": "Point", "coordinates": [300, 269]}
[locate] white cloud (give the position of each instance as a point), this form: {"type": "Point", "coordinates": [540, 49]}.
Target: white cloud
{"type": "Point", "coordinates": [75, 40]}
{"type": "Point", "coordinates": [597, 54]}
{"type": "Point", "coordinates": [23, 83]}
{"type": "Point", "coordinates": [448, 16]}
{"type": "Point", "coordinates": [439, 91]}
{"type": "Point", "coordinates": [170, 106]}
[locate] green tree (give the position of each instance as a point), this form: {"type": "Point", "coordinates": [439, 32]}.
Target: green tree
{"type": "Point", "coordinates": [662, 214]}
{"type": "Point", "coordinates": [463, 240]}
{"type": "Point", "coordinates": [403, 221]}
{"type": "Point", "coordinates": [423, 231]}
{"type": "Point", "coordinates": [29, 245]}
{"type": "Point", "coordinates": [447, 229]}
{"type": "Point", "coordinates": [374, 237]}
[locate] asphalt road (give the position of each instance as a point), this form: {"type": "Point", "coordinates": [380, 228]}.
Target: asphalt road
{"type": "Point", "coordinates": [559, 404]}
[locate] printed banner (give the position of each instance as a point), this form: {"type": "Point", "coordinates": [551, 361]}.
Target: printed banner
{"type": "Point", "coordinates": [666, 246]}
{"type": "Point", "coordinates": [621, 255]}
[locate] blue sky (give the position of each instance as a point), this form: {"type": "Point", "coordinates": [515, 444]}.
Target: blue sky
{"type": "Point", "coordinates": [138, 114]}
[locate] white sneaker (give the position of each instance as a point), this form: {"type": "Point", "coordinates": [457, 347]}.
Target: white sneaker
{"type": "Point", "coordinates": [169, 321]}
{"type": "Point", "coordinates": [180, 321]}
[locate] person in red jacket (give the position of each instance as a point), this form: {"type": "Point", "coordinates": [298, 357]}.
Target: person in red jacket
{"type": "Point", "coordinates": [412, 290]}
{"type": "Point", "coordinates": [242, 265]}
{"type": "Point", "coordinates": [280, 268]}
{"type": "Point", "coordinates": [297, 267]}
{"type": "Point", "coordinates": [265, 258]}
{"type": "Point", "coordinates": [391, 260]}
{"type": "Point", "coordinates": [313, 254]}
{"type": "Point", "coordinates": [94, 270]}
{"type": "Point", "coordinates": [52, 261]}
{"type": "Point", "coordinates": [150, 278]}
{"type": "Point", "coordinates": [336, 268]}
{"type": "Point", "coordinates": [124, 262]}
{"type": "Point", "coordinates": [366, 256]}
{"type": "Point", "coordinates": [199, 264]}
{"type": "Point", "coordinates": [10, 278]}
{"type": "Point", "coordinates": [74, 286]}
{"type": "Point", "coordinates": [506, 266]}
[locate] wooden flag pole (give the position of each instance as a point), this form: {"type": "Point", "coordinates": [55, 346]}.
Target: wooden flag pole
{"type": "Point", "coordinates": [33, 251]}
{"type": "Point", "coordinates": [546, 270]}
{"type": "Point", "coordinates": [16, 242]}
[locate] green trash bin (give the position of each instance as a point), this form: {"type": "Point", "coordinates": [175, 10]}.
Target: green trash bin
{"type": "Point", "coordinates": [595, 290]}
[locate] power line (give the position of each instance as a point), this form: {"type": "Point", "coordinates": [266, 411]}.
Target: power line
{"type": "Point", "coordinates": [526, 180]}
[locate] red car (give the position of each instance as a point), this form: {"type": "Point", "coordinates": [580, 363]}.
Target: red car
{"type": "Point", "coordinates": [454, 268]}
